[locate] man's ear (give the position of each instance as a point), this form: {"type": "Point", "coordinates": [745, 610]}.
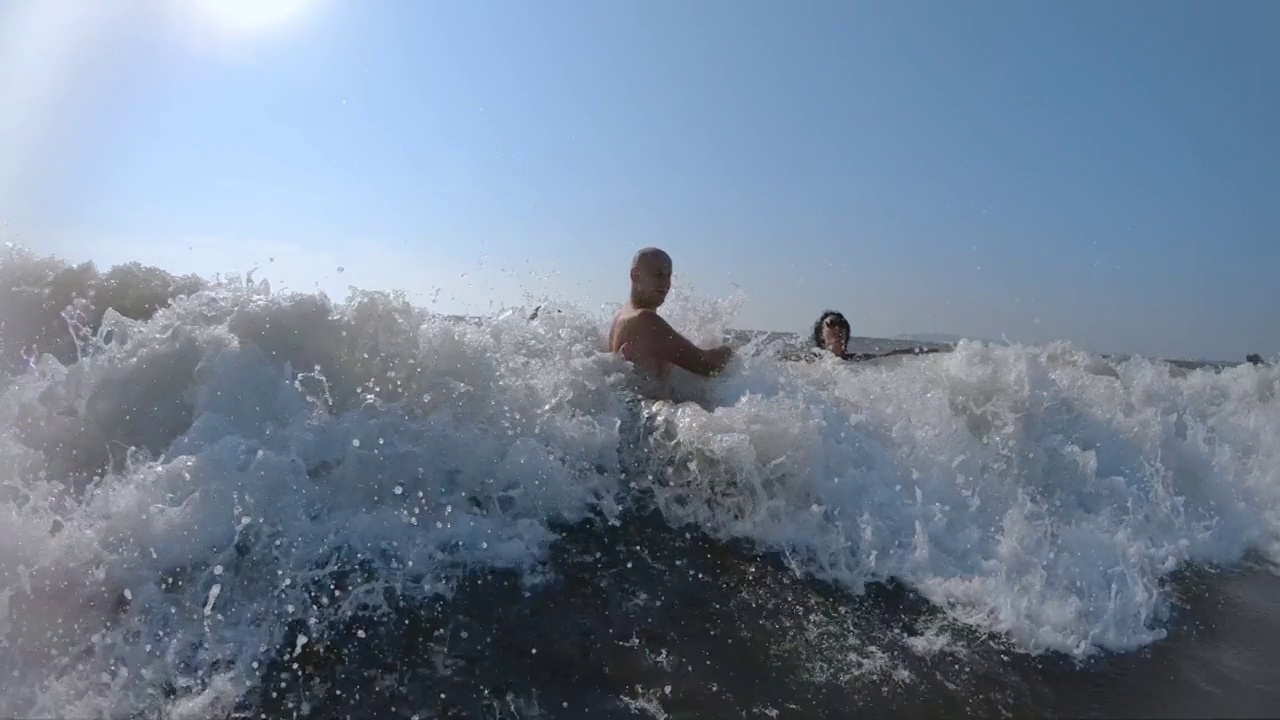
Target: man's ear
{"type": "Point", "coordinates": [635, 274]}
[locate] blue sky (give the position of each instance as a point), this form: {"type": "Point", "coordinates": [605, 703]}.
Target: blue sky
{"type": "Point", "coordinates": [1101, 172]}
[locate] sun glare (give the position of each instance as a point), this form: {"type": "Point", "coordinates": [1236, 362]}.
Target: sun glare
{"type": "Point", "coordinates": [246, 17]}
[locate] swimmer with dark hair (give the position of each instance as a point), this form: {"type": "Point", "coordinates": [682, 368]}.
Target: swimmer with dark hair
{"type": "Point", "coordinates": [831, 333]}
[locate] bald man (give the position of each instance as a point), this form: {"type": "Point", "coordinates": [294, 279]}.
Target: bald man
{"type": "Point", "coordinates": [641, 336]}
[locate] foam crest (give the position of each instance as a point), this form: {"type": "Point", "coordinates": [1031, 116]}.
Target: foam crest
{"type": "Point", "coordinates": [182, 502]}
{"type": "Point", "coordinates": [1031, 492]}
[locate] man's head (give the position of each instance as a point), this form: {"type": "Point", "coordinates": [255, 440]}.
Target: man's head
{"type": "Point", "coordinates": [831, 332]}
{"type": "Point", "coordinates": [650, 278]}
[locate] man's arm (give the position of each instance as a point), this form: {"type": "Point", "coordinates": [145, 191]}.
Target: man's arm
{"type": "Point", "coordinates": [656, 337]}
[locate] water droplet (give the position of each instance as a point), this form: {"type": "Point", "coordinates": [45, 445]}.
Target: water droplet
{"type": "Point", "coordinates": [217, 569]}
{"type": "Point", "coordinates": [399, 490]}
{"type": "Point", "coordinates": [356, 442]}
{"type": "Point", "coordinates": [341, 269]}
{"type": "Point", "coordinates": [127, 594]}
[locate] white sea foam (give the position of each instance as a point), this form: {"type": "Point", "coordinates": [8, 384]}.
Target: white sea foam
{"type": "Point", "coordinates": [420, 446]}
{"type": "Point", "coordinates": [1039, 493]}
{"type": "Point", "coordinates": [195, 483]}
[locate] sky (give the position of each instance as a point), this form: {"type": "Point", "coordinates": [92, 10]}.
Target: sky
{"type": "Point", "coordinates": [1102, 172]}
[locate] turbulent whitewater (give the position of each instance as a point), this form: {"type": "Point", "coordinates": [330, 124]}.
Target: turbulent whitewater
{"type": "Point", "coordinates": [204, 508]}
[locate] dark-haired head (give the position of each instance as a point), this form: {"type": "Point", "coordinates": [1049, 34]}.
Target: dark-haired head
{"type": "Point", "coordinates": [831, 332]}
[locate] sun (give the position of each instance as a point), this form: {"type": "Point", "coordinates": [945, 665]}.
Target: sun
{"type": "Point", "coordinates": [247, 17]}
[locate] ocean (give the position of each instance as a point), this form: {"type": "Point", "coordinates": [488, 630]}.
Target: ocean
{"type": "Point", "coordinates": [225, 502]}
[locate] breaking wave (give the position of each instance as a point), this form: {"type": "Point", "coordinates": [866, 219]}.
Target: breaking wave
{"type": "Point", "coordinates": [204, 501]}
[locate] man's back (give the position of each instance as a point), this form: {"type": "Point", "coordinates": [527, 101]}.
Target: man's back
{"type": "Point", "coordinates": [630, 337]}
{"type": "Point", "coordinates": [647, 341]}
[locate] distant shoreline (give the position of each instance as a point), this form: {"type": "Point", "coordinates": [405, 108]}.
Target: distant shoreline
{"type": "Point", "coordinates": [933, 341]}
{"type": "Point", "coordinates": [877, 344]}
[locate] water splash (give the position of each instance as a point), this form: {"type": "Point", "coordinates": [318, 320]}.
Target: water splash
{"type": "Point", "coordinates": [196, 491]}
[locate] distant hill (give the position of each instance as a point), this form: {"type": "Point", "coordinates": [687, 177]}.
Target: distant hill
{"type": "Point", "coordinates": [945, 339]}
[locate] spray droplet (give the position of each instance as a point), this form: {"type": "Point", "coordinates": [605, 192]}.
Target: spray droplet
{"type": "Point", "coordinates": [217, 569]}
{"type": "Point", "coordinates": [399, 490]}
{"type": "Point", "coordinates": [355, 443]}
{"type": "Point", "coordinates": [213, 597]}
{"type": "Point", "coordinates": [341, 269]}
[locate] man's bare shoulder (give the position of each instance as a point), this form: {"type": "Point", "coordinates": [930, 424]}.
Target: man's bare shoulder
{"type": "Point", "coordinates": [641, 320]}
{"type": "Point", "coordinates": [636, 324]}
{"type": "Point", "coordinates": [637, 318]}
{"type": "Point", "coordinates": [639, 315]}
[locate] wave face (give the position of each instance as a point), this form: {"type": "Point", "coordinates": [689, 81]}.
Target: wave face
{"type": "Point", "coordinates": [247, 501]}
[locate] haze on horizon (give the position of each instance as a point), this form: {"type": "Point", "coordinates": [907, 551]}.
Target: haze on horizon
{"type": "Point", "coordinates": [1099, 172]}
